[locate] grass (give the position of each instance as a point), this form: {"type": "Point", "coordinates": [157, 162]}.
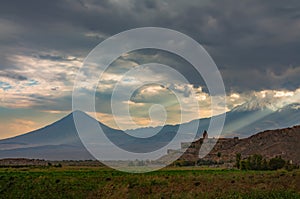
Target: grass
{"type": "Point", "coordinates": [100, 182]}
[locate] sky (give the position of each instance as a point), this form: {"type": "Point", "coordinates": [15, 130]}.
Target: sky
{"type": "Point", "coordinates": [254, 43]}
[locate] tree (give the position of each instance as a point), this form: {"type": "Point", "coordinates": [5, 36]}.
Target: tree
{"type": "Point", "coordinates": [265, 165]}
{"type": "Point", "coordinates": [238, 160]}
{"type": "Point", "coordinates": [276, 163]}
{"type": "Point", "coordinates": [256, 162]}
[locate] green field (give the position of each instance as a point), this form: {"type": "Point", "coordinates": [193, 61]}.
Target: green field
{"type": "Point", "coordinates": [97, 182]}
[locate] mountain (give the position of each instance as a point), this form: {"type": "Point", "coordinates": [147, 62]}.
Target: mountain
{"type": "Point", "coordinates": [60, 140]}
{"type": "Point", "coordinates": [255, 104]}
{"type": "Point", "coordinates": [242, 121]}
{"type": "Point", "coordinates": [53, 142]}
{"type": "Point", "coordinates": [248, 122]}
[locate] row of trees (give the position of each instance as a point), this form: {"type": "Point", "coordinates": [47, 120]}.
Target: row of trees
{"type": "Point", "coordinates": [199, 162]}
{"type": "Point", "coordinates": [257, 162]}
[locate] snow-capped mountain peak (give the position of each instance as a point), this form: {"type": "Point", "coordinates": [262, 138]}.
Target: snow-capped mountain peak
{"type": "Point", "coordinates": [256, 104]}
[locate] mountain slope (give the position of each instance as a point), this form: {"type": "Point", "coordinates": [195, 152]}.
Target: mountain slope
{"type": "Point", "coordinates": [56, 141]}
{"type": "Point", "coordinates": [62, 131]}
{"type": "Point", "coordinates": [281, 142]}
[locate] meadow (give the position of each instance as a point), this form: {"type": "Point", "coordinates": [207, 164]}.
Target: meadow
{"type": "Point", "coordinates": [187, 182]}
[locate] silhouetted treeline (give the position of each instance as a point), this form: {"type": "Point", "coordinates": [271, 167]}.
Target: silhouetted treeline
{"type": "Point", "coordinates": [257, 162]}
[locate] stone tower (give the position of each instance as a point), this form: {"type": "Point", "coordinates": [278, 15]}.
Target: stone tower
{"type": "Point", "coordinates": [205, 135]}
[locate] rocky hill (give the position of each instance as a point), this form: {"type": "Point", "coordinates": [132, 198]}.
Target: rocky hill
{"type": "Point", "coordinates": [281, 142]}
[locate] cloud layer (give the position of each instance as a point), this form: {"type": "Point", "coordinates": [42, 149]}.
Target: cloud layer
{"type": "Point", "coordinates": [254, 43]}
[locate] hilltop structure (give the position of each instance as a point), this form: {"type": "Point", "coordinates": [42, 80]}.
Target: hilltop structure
{"type": "Point", "coordinates": [270, 143]}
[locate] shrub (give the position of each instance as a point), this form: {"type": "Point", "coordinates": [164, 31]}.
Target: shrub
{"type": "Point", "coordinates": [201, 162]}
{"type": "Point", "coordinates": [244, 165]}
{"type": "Point", "coordinates": [256, 162]}
{"type": "Point", "coordinates": [276, 163]}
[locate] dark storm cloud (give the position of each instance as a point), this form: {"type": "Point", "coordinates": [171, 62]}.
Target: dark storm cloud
{"type": "Point", "coordinates": [254, 43]}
